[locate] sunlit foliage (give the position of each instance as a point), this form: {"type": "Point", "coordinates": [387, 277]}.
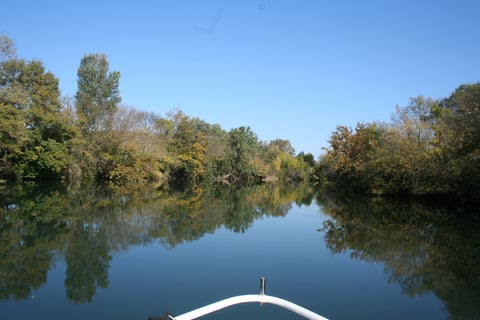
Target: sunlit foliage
{"type": "Point", "coordinates": [430, 147]}
{"type": "Point", "coordinates": [92, 136]}
{"type": "Point", "coordinates": [34, 138]}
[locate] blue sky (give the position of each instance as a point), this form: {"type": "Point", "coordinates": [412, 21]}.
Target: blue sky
{"type": "Point", "coordinates": [289, 69]}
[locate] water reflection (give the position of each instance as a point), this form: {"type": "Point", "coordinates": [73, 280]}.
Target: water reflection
{"type": "Point", "coordinates": [88, 260]}
{"type": "Point", "coordinates": [423, 248]}
{"type": "Point", "coordinates": [83, 225]}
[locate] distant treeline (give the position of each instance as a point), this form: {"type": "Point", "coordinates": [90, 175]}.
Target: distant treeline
{"type": "Point", "coordinates": [91, 135]}
{"type": "Point", "coordinates": [431, 147]}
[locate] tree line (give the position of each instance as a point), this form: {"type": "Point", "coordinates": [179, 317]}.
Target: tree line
{"type": "Point", "coordinates": [430, 147]}
{"type": "Point", "coordinates": [91, 135]}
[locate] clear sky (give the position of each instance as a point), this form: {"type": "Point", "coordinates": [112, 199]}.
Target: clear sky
{"type": "Point", "coordinates": [289, 69]}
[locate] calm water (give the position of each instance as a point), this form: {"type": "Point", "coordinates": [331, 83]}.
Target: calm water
{"type": "Point", "coordinates": [92, 253]}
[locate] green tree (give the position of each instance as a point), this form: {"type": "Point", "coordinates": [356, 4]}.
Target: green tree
{"type": "Point", "coordinates": [308, 158]}
{"type": "Point", "coordinates": [7, 48]}
{"type": "Point", "coordinates": [98, 94]}
{"type": "Point", "coordinates": [243, 145]}
{"type": "Point", "coordinates": [459, 138]}
{"type": "Point", "coordinates": [96, 103]}
{"type": "Point", "coordinates": [12, 136]}
{"type": "Point", "coordinates": [464, 118]}
{"type": "Point", "coordinates": [188, 146]}
{"type": "Point", "coordinates": [34, 136]}
{"type": "Point", "coordinates": [215, 154]}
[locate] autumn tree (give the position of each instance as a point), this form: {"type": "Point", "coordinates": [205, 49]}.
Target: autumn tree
{"type": "Point", "coordinates": [88, 135]}
{"type": "Point", "coordinates": [283, 145]}
{"type": "Point", "coordinates": [414, 121]}
{"type": "Point", "coordinates": [187, 147]}
{"type": "Point", "coordinates": [430, 147]}
{"type": "Point", "coordinates": [140, 150]}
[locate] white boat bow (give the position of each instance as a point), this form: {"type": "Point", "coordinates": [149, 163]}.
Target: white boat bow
{"type": "Point", "coordinates": [248, 298]}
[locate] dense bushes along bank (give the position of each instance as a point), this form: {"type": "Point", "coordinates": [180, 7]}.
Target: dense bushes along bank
{"type": "Point", "coordinates": [46, 136]}
{"type": "Point", "coordinates": [431, 147]}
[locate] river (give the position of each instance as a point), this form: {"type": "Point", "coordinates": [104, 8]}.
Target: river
{"type": "Point", "coordinates": [90, 252]}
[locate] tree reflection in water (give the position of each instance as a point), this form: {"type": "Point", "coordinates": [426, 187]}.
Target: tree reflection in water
{"type": "Point", "coordinates": [423, 248]}
{"type": "Point", "coordinates": [83, 225]}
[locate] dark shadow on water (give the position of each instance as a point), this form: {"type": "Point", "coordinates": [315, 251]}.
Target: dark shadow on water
{"type": "Point", "coordinates": [424, 246]}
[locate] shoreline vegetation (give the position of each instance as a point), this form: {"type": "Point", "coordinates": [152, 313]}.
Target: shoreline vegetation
{"type": "Point", "coordinates": [431, 147]}
{"type": "Point", "coordinates": [92, 136]}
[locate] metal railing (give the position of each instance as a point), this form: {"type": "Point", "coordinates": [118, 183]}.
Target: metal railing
{"type": "Point", "coordinates": [248, 298]}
